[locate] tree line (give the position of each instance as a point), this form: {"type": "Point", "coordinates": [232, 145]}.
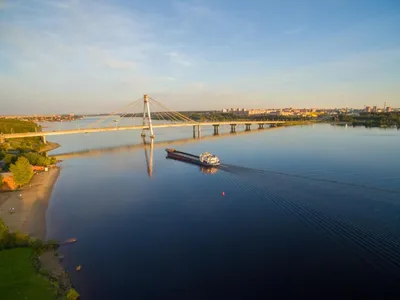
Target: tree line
{"type": "Point", "coordinates": [21, 165]}
{"type": "Point", "coordinates": [16, 126]}
{"type": "Point", "coordinates": [226, 117]}
{"type": "Point", "coordinates": [383, 120]}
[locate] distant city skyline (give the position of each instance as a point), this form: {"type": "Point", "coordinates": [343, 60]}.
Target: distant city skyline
{"type": "Point", "coordinates": [138, 110]}
{"type": "Point", "coordinates": [76, 56]}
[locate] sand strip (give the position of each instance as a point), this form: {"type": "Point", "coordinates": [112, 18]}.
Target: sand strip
{"type": "Point", "coordinates": [30, 203]}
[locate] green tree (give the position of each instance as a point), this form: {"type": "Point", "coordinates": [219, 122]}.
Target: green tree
{"type": "Point", "coordinates": [2, 154]}
{"type": "Point", "coordinates": [32, 157]}
{"type": "Point", "coordinates": [37, 159]}
{"type": "Point", "coordinates": [9, 158]}
{"type": "Point", "coordinates": [22, 171]}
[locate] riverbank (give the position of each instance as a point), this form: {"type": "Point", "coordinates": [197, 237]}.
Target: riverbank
{"type": "Point", "coordinates": [30, 203]}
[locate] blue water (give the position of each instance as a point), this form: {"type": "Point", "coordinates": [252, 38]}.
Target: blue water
{"type": "Point", "coordinates": [308, 211]}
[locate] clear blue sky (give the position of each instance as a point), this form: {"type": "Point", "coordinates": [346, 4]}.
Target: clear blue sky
{"type": "Point", "coordinates": [97, 55]}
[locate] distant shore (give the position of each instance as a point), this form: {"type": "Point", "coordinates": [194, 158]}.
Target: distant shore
{"type": "Point", "coordinates": [30, 203]}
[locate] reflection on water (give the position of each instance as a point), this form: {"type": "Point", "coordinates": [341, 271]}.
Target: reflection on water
{"type": "Point", "coordinates": [148, 152]}
{"type": "Point", "coordinates": [148, 145]}
{"type": "Point", "coordinates": [209, 170]}
{"type": "Point", "coordinates": [158, 142]}
{"type": "Point", "coordinates": [249, 231]}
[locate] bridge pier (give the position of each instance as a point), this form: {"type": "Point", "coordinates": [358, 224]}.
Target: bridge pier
{"type": "Point", "coordinates": [248, 127]}
{"type": "Point", "coordinates": [43, 138]}
{"type": "Point", "coordinates": [260, 126]}
{"type": "Point", "coordinates": [233, 128]}
{"type": "Point", "coordinates": [216, 129]}
{"type": "Point", "coordinates": [196, 129]}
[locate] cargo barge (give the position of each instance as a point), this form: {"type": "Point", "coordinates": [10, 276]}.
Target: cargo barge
{"type": "Point", "coordinates": [205, 159]}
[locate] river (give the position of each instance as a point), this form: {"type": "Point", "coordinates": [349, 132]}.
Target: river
{"type": "Point", "coordinates": [306, 211]}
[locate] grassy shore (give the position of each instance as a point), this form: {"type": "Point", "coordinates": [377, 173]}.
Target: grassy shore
{"type": "Point", "coordinates": [19, 279]}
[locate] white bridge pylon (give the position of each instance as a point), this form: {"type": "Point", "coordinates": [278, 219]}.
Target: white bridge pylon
{"type": "Point", "coordinates": [158, 110]}
{"type": "Point", "coordinates": [165, 114]}
{"type": "Point", "coordinates": [147, 120]}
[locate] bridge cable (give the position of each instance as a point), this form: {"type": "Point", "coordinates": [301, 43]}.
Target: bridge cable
{"type": "Point", "coordinates": [137, 102]}
{"type": "Point", "coordinates": [173, 118]}
{"type": "Point", "coordinates": [177, 113]}
{"type": "Point", "coordinates": [158, 115]}
{"type": "Point", "coordinates": [114, 113]}
{"type": "Point", "coordinates": [123, 116]}
{"type": "Point", "coordinates": [167, 114]}
{"type": "Point", "coordinates": [183, 117]}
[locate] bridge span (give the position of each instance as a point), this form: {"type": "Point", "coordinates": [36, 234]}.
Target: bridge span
{"type": "Point", "coordinates": [183, 121]}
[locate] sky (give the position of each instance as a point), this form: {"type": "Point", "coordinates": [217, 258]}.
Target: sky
{"type": "Point", "coordinates": [90, 56]}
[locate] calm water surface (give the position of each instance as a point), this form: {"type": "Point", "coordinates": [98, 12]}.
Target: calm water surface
{"type": "Point", "coordinates": [308, 211]}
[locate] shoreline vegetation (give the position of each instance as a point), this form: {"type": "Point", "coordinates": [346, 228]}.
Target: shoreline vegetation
{"type": "Point", "coordinates": [26, 229]}
{"type": "Point", "coordinates": [370, 120]}
{"type": "Point", "coordinates": [30, 267]}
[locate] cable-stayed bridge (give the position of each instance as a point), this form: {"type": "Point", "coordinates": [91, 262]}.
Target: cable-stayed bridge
{"type": "Point", "coordinates": [149, 109]}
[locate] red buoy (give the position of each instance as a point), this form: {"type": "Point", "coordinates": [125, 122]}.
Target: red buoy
{"type": "Point", "coordinates": [223, 193]}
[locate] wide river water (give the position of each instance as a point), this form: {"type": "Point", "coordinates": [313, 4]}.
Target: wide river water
{"type": "Point", "coordinates": [307, 211]}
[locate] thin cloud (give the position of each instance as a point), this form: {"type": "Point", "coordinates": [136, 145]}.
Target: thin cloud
{"type": "Point", "coordinates": [120, 64]}
{"type": "Point", "coordinates": [179, 59]}
{"type": "Point", "coordinates": [58, 4]}
{"type": "Point", "coordinates": [191, 10]}
{"type": "Point", "coordinates": [294, 30]}
{"type": "Point", "coordinates": [107, 59]}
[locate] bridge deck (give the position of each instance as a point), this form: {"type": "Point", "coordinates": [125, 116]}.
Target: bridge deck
{"type": "Point", "coordinates": [133, 127]}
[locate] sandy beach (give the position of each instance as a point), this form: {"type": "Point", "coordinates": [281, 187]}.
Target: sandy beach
{"type": "Point", "coordinates": [30, 204]}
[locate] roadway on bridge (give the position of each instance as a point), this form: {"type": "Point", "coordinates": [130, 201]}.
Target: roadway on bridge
{"type": "Point", "coordinates": [133, 127]}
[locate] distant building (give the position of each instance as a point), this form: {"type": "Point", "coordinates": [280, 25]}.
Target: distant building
{"type": "Point", "coordinates": [374, 109]}
{"type": "Point", "coordinates": [368, 109]}
{"type": "Point", "coordinates": [389, 109]}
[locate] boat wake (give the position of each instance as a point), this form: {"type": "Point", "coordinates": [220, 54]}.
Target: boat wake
{"type": "Point", "coordinates": [375, 248]}
{"type": "Point", "coordinates": [240, 170]}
